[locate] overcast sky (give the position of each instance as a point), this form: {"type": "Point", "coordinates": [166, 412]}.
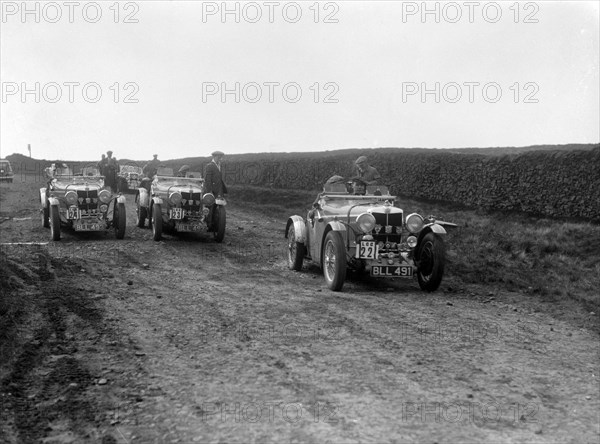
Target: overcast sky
{"type": "Point", "coordinates": [300, 76]}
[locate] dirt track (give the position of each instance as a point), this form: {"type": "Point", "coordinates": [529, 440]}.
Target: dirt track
{"type": "Point", "coordinates": [186, 340]}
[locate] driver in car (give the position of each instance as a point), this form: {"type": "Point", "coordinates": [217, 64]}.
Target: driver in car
{"type": "Point", "coordinates": [357, 187]}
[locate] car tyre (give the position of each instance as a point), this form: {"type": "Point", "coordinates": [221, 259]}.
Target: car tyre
{"type": "Point", "coordinates": [219, 223]}
{"type": "Point", "coordinates": [141, 213]}
{"type": "Point", "coordinates": [157, 222]}
{"type": "Point", "coordinates": [120, 220]}
{"type": "Point", "coordinates": [54, 223]}
{"type": "Point", "coordinates": [295, 251]}
{"type": "Point", "coordinates": [46, 215]}
{"type": "Point", "coordinates": [432, 259]}
{"type": "Point", "coordinates": [334, 261]}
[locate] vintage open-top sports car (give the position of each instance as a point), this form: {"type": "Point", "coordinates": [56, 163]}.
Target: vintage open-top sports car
{"type": "Point", "coordinates": [177, 204]}
{"type": "Point", "coordinates": [352, 225]}
{"type": "Point", "coordinates": [80, 202]}
{"type": "Point", "coordinates": [129, 178]}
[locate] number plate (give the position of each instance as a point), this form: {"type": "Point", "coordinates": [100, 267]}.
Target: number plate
{"type": "Point", "coordinates": [392, 271]}
{"type": "Point", "coordinates": [87, 227]}
{"type": "Point", "coordinates": [367, 250]}
{"type": "Point", "coordinates": [188, 227]}
{"type": "Point", "coordinates": [177, 213]}
{"type": "Point", "coordinates": [73, 213]}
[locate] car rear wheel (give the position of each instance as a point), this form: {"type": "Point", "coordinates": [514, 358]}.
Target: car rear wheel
{"type": "Point", "coordinates": [141, 213]}
{"type": "Point", "coordinates": [120, 220]}
{"type": "Point", "coordinates": [157, 222]}
{"type": "Point", "coordinates": [295, 251]}
{"type": "Point", "coordinates": [46, 215]}
{"type": "Point", "coordinates": [432, 259]}
{"type": "Point", "coordinates": [334, 261]}
{"type": "Point", "coordinates": [54, 223]}
{"type": "Point", "coordinates": [220, 220]}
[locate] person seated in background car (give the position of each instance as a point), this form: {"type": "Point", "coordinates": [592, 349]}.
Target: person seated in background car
{"type": "Point", "coordinates": [183, 171]}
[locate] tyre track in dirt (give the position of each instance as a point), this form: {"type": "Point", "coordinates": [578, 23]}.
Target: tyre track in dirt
{"type": "Point", "coordinates": [220, 342]}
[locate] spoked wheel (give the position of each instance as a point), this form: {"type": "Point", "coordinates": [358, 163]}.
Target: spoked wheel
{"type": "Point", "coordinates": [120, 220]}
{"type": "Point", "coordinates": [219, 222]}
{"type": "Point", "coordinates": [54, 223]}
{"type": "Point", "coordinates": [334, 261]}
{"type": "Point", "coordinates": [295, 251]}
{"type": "Point", "coordinates": [432, 258]}
{"type": "Point", "coordinates": [157, 222]}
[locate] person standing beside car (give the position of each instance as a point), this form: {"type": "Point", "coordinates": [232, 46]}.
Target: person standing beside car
{"type": "Point", "coordinates": [151, 168]}
{"type": "Point", "coordinates": [366, 172]}
{"type": "Point", "coordinates": [112, 170]}
{"type": "Point", "coordinates": [213, 179]}
{"type": "Point", "coordinates": [102, 165]}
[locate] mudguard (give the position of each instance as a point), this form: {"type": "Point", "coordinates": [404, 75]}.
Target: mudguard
{"type": "Point", "coordinates": [335, 226]}
{"type": "Point", "coordinates": [53, 201]}
{"type": "Point", "coordinates": [121, 199]}
{"type": "Point", "coordinates": [431, 228]}
{"type": "Point", "coordinates": [157, 200]}
{"type": "Point", "coordinates": [299, 228]}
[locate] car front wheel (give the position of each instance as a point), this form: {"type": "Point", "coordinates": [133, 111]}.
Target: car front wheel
{"type": "Point", "coordinates": [432, 259]}
{"type": "Point", "coordinates": [120, 220]}
{"type": "Point", "coordinates": [157, 222]}
{"type": "Point", "coordinates": [295, 251]}
{"type": "Point", "coordinates": [219, 223]}
{"type": "Point", "coordinates": [334, 261]}
{"type": "Point", "coordinates": [46, 216]}
{"type": "Point", "coordinates": [54, 223]}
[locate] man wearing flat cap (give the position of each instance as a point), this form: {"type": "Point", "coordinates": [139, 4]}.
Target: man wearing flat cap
{"type": "Point", "coordinates": [213, 179]}
{"type": "Point", "coordinates": [111, 171]}
{"type": "Point", "coordinates": [366, 172]}
{"type": "Point", "coordinates": [151, 168]}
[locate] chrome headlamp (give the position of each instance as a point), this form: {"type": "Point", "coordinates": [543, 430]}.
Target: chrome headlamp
{"type": "Point", "coordinates": [411, 241]}
{"type": "Point", "coordinates": [71, 197]}
{"type": "Point", "coordinates": [104, 196]}
{"type": "Point", "coordinates": [208, 199]}
{"type": "Point", "coordinates": [366, 222]}
{"type": "Point", "coordinates": [414, 223]}
{"type": "Point", "coordinates": [175, 198]}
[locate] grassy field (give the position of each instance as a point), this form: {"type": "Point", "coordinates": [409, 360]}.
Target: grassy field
{"type": "Point", "coordinates": [550, 259]}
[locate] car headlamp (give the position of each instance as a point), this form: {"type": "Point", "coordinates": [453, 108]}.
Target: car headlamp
{"type": "Point", "coordinates": [208, 199]}
{"type": "Point", "coordinates": [104, 196]}
{"type": "Point", "coordinates": [411, 241]}
{"type": "Point", "coordinates": [175, 198]}
{"type": "Point", "coordinates": [414, 223]}
{"type": "Point", "coordinates": [104, 208]}
{"type": "Point", "coordinates": [71, 197]}
{"type": "Point", "coordinates": [366, 222]}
